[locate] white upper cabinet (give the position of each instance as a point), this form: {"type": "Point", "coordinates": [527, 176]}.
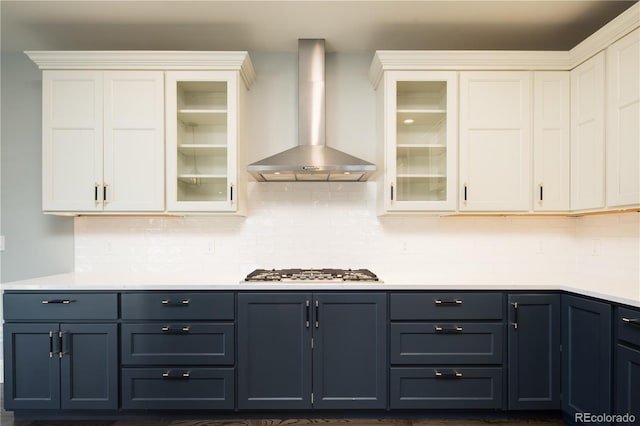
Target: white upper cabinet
{"type": "Point", "coordinates": [623, 122]}
{"type": "Point", "coordinates": [551, 141]}
{"type": "Point", "coordinates": [495, 141]}
{"type": "Point", "coordinates": [104, 131]}
{"type": "Point", "coordinates": [203, 141]}
{"type": "Point", "coordinates": [103, 141]}
{"type": "Point", "coordinates": [418, 114]}
{"type": "Point", "coordinates": [587, 134]}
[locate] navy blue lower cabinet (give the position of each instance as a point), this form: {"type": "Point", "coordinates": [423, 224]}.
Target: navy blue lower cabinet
{"type": "Point", "coordinates": [61, 366]}
{"type": "Point", "coordinates": [178, 388]}
{"type": "Point", "coordinates": [274, 350]}
{"type": "Point", "coordinates": [445, 387]}
{"type": "Point", "coordinates": [586, 358]}
{"type": "Point", "coordinates": [534, 351]}
{"type": "Point", "coordinates": [350, 351]}
{"type": "Point", "coordinates": [627, 383]}
{"type": "Point", "coordinates": [304, 350]}
{"type": "Point", "coordinates": [627, 365]}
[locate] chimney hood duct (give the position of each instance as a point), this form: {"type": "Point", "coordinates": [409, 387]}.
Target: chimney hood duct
{"type": "Point", "coordinates": [311, 160]}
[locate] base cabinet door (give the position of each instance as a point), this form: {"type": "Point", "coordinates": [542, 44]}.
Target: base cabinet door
{"type": "Point", "coordinates": [534, 351]}
{"type": "Point", "coordinates": [32, 367]}
{"type": "Point", "coordinates": [274, 350]}
{"type": "Point", "coordinates": [89, 366]}
{"type": "Point", "coordinates": [586, 357]}
{"type": "Point", "coordinates": [68, 366]}
{"type": "Point", "coordinates": [350, 351]}
{"type": "Point", "coordinates": [305, 350]}
{"type": "Point", "coordinates": [627, 388]}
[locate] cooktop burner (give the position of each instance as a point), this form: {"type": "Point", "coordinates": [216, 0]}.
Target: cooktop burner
{"type": "Point", "coordinates": [323, 275]}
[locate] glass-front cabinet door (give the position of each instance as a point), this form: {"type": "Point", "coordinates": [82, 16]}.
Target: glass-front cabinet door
{"type": "Point", "coordinates": [420, 141]}
{"type": "Point", "coordinates": [201, 140]}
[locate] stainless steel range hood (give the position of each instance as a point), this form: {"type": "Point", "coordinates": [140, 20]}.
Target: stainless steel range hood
{"type": "Point", "coordinates": [311, 160]}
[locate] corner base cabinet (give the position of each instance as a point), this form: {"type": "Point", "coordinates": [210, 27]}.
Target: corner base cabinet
{"type": "Point", "coordinates": [586, 356]}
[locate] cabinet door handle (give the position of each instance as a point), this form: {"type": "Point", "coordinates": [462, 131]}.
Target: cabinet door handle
{"type": "Point", "coordinates": [631, 321]}
{"type": "Point", "coordinates": [456, 329]}
{"type": "Point", "coordinates": [104, 193]}
{"type": "Point", "coordinates": [57, 302]}
{"type": "Point", "coordinates": [231, 193]}
{"type": "Point", "coordinates": [180, 376]}
{"type": "Point", "coordinates": [50, 344]}
{"type": "Point", "coordinates": [541, 193]}
{"type": "Point", "coordinates": [317, 314]}
{"type": "Point", "coordinates": [169, 302]}
{"type": "Point", "coordinates": [308, 313]}
{"type": "Point", "coordinates": [465, 193]}
{"type": "Point", "coordinates": [391, 192]}
{"type": "Point", "coordinates": [95, 193]}
{"type": "Point", "coordinates": [515, 315]}
{"type": "Point", "coordinates": [452, 375]}
{"type": "Point", "coordinates": [60, 343]}
{"type": "Point", "coordinates": [454, 302]}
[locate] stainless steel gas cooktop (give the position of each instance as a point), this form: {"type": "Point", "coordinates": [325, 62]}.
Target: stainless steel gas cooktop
{"type": "Point", "coordinates": [312, 275]}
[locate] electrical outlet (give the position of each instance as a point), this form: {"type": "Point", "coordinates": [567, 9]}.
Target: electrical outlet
{"type": "Point", "coordinates": [595, 247]}
{"type": "Point", "coordinates": [211, 247]}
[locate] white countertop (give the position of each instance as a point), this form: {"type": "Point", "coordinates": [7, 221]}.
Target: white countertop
{"type": "Point", "coordinates": [181, 281]}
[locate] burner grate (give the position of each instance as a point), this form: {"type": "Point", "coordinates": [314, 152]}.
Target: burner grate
{"type": "Point", "coordinates": [289, 275]}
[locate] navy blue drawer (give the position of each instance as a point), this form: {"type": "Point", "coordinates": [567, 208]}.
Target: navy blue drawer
{"type": "Point", "coordinates": [446, 343]}
{"type": "Point", "coordinates": [178, 306]}
{"type": "Point", "coordinates": [446, 306]}
{"type": "Point", "coordinates": [186, 344]}
{"type": "Point", "coordinates": [446, 387]}
{"type": "Point", "coordinates": [628, 324]}
{"type": "Point", "coordinates": [60, 306]}
{"type": "Point", "coordinates": [178, 388]}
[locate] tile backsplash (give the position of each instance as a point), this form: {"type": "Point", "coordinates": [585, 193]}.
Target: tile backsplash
{"type": "Point", "coordinates": [335, 225]}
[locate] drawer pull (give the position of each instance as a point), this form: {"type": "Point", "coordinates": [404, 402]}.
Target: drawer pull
{"type": "Point", "coordinates": [453, 375]}
{"type": "Point", "coordinates": [182, 330]}
{"type": "Point", "coordinates": [169, 302]}
{"type": "Point", "coordinates": [456, 329]}
{"type": "Point", "coordinates": [180, 376]}
{"type": "Point", "coordinates": [453, 302]}
{"type": "Point", "coordinates": [57, 302]}
{"type": "Point", "coordinates": [50, 344]}
{"type": "Point", "coordinates": [631, 321]}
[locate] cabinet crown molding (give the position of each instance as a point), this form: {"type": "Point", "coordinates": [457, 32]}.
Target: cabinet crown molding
{"type": "Point", "coordinates": [146, 60]}
{"type": "Point", "coordinates": [465, 60]}
{"type": "Point", "coordinates": [494, 60]}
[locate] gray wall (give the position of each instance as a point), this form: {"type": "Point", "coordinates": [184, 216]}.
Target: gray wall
{"type": "Point", "coordinates": [35, 244]}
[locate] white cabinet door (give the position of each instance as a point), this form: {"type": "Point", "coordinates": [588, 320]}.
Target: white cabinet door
{"type": "Point", "coordinates": [103, 141]}
{"type": "Point", "coordinates": [420, 141]}
{"type": "Point", "coordinates": [202, 140]}
{"type": "Point", "coordinates": [495, 141]}
{"type": "Point", "coordinates": [551, 141]}
{"type": "Point", "coordinates": [133, 141]}
{"type": "Point", "coordinates": [72, 126]}
{"type": "Point", "coordinates": [587, 134]}
{"type": "Point", "coordinates": [623, 121]}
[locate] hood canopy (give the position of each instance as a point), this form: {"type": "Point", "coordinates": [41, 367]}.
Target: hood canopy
{"type": "Point", "coordinates": [311, 160]}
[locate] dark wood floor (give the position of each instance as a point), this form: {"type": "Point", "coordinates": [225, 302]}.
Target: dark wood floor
{"type": "Point", "coordinates": [6, 419]}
